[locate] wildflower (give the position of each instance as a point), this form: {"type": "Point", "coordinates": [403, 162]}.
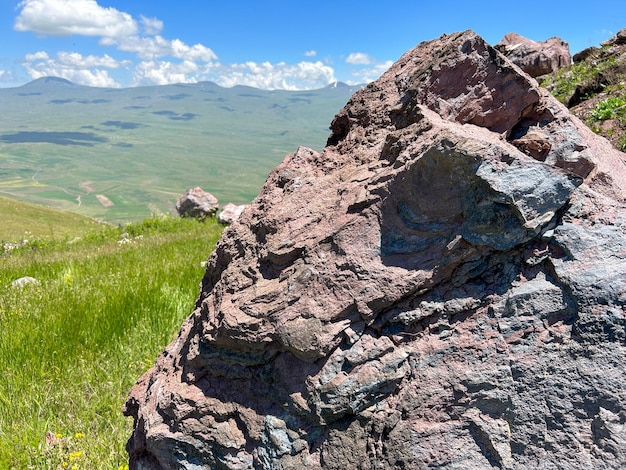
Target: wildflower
{"type": "Point", "coordinates": [75, 455]}
{"type": "Point", "coordinates": [79, 435]}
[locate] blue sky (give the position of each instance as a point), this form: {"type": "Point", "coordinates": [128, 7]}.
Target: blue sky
{"type": "Point", "coordinates": [271, 44]}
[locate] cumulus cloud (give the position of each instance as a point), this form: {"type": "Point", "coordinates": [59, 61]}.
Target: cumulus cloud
{"type": "Point", "coordinates": [265, 75]}
{"type": "Point", "coordinates": [365, 68]}
{"type": "Point", "coordinates": [281, 76]}
{"type": "Point", "coordinates": [359, 58]}
{"type": "Point", "coordinates": [41, 55]}
{"type": "Point", "coordinates": [159, 60]}
{"type": "Point", "coordinates": [151, 26]}
{"type": "Point", "coordinates": [371, 73]}
{"type": "Point", "coordinates": [161, 72]}
{"type": "Point", "coordinates": [68, 17]}
{"type": "Point", "coordinates": [84, 70]}
{"type": "Point", "coordinates": [150, 48]}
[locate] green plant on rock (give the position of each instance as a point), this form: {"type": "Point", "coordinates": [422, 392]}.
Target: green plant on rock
{"type": "Point", "coordinates": [614, 107]}
{"type": "Point", "coordinates": [564, 82]}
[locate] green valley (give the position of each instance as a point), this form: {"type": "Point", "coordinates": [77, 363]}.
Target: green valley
{"type": "Point", "coordinates": [124, 154]}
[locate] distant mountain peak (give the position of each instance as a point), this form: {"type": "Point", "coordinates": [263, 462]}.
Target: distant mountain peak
{"type": "Point", "coordinates": [49, 81]}
{"type": "Point", "coordinates": [336, 85]}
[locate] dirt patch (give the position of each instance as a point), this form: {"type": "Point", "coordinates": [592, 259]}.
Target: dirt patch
{"type": "Point", "coordinates": [86, 186]}
{"type": "Point", "coordinates": [105, 201]}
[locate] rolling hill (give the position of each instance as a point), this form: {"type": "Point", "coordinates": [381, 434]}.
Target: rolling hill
{"type": "Point", "coordinates": [20, 219]}
{"type": "Point", "coordinates": [123, 154]}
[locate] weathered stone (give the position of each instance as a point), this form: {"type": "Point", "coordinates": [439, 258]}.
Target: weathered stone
{"type": "Point", "coordinates": [535, 58]}
{"type": "Point", "coordinates": [620, 37]}
{"type": "Point", "coordinates": [25, 281]}
{"type": "Point", "coordinates": [444, 285]}
{"type": "Point", "coordinates": [197, 203]}
{"type": "Point", "coordinates": [231, 213]}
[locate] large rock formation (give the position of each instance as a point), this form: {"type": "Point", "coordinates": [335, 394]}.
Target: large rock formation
{"type": "Point", "coordinates": [535, 58]}
{"type": "Point", "coordinates": [442, 286]}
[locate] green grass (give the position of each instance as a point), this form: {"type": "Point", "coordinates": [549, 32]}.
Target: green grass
{"type": "Point", "coordinates": [72, 347]}
{"type": "Point", "coordinates": [20, 218]}
{"type": "Point", "coordinates": [563, 82]}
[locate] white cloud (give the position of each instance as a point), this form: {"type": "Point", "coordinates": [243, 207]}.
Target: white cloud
{"type": "Point", "coordinates": [369, 74]}
{"type": "Point", "coordinates": [151, 26]}
{"type": "Point", "coordinates": [359, 58]}
{"type": "Point", "coordinates": [84, 70]}
{"type": "Point", "coordinates": [281, 76]}
{"type": "Point", "coordinates": [76, 60]}
{"type": "Point", "coordinates": [159, 60]}
{"type": "Point", "coordinates": [41, 55]}
{"type": "Point", "coordinates": [68, 17]}
{"type": "Point", "coordinates": [155, 72]}
{"type": "Point", "coordinates": [365, 68]}
{"type": "Point", "coordinates": [305, 75]}
{"type": "Point", "coordinates": [150, 48]}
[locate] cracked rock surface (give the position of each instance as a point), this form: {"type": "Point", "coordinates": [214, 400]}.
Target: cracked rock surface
{"type": "Point", "coordinates": [442, 286]}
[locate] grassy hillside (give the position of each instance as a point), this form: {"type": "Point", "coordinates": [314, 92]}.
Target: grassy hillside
{"type": "Point", "coordinates": [594, 88]}
{"type": "Point", "coordinates": [122, 154]}
{"type": "Point", "coordinates": [72, 346]}
{"type": "Point", "coordinates": [20, 219]}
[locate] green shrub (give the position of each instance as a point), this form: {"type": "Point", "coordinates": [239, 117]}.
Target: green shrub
{"type": "Point", "coordinates": [610, 108]}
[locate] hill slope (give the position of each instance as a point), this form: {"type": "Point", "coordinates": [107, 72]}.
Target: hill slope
{"type": "Point", "coordinates": [594, 88]}
{"type": "Point", "coordinates": [123, 154]}
{"type": "Point", "coordinates": [20, 219]}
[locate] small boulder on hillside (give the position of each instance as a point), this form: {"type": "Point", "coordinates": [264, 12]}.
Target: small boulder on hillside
{"type": "Point", "coordinates": [197, 203]}
{"type": "Point", "coordinates": [230, 213]}
{"type": "Point", "coordinates": [25, 281]}
{"type": "Point", "coordinates": [533, 57]}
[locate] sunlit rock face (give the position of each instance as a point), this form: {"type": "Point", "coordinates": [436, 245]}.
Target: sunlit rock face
{"type": "Point", "coordinates": [443, 285]}
{"type": "Point", "coordinates": [536, 58]}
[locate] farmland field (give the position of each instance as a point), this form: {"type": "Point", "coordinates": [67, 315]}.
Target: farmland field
{"type": "Point", "coordinates": [124, 154]}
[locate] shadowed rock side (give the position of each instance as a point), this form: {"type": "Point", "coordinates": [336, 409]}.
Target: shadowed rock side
{"type": "Point", "coordinates": [443, 285]}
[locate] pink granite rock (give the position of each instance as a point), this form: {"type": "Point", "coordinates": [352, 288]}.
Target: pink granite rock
{"type": "Point", "coordinates": [197, 203]}
{"type": "Point", "coordinates": [231, 213]}
{"type": "Point", "coordinates": [442, 286]}
{"type": "Point", "coordinates": [535, 58]}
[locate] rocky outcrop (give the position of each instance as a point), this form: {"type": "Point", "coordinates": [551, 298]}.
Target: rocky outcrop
{"type": "Point", "coordinates": [442, 286]}
{"type": "Point", "coordinates": [197, 203]}
{"type": "Point", "coordinates": [535, 58]}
